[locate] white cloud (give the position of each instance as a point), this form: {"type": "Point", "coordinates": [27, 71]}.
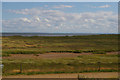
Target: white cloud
{"type": "Point", "coordinates": [37, 18]}
{"type": "Point", "coordinates": [105, 6]}
{"type": "Point", "coordinates": [63, 6]}
{"type": "Point", "coordinates": [48, 25]}
{"type": "Point", "coordinates": [58, 21]}
{"type": "Point", "coordinates": [25, 20]}
{"type": "Point", "coordinates": [35, 11]}
{"type": "Point", "coordinates": [46, 20]}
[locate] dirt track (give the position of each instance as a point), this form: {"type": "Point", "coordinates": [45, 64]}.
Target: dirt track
{"type": "Point", "coordinates": [73, 75]}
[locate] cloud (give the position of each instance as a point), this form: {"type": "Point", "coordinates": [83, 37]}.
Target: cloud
{"type": "Point", "coordinates": [46, 20]}
{"type": "Point", "coordinates": [37, 18]}
{"type": "Point", "coordinates": [63, 6]}
{"type": "Point", "coordinates": [35, 11]}
{"type": "Point", "coordinates": [41, 20]}
{"type": "Point", "coordinates": [48, 25]}
{"type": "Point", "coordinates": [105, 6]}
{"type": "Point", "coordinates": [25, 20]}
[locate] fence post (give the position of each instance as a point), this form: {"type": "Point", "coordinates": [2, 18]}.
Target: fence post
{"type": "Point", "coordinates": [78, 77]}
{"type": "Point", "coordinates": [20, 67]}
{"type": "Point", "coordinates": [99, 67]}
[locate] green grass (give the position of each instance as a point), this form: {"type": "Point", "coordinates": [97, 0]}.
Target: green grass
{"type": "Point", "coordinates": [5, 55]}
{"type": "Point", "coordinates": [99, 52]}
{"type": "Point", "coordinates": [59, 72]}
{"type": "Point", "coordinates": [34, 44]}
{"type": "Point", "coordinates": [81, 63]}
{"type": "Point", "coordinates": [22, 52]}
{"type": "Point", "coordinates": [97, 44]}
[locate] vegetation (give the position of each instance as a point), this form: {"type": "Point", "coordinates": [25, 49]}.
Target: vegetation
{"type": "Point", "coordinates": [83, 63]}
{"type": "Point", "coordinates": [99, 45]}
{"type": "Point", "coordinates": [99, 52]}
{"type": "Point", "coordinates": [74, 44]}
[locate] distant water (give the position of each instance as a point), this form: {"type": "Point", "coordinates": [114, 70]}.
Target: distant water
{"type": "Point", "coordinates": [45, 34]}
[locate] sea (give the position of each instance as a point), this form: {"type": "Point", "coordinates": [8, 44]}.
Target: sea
{"type": "Point", "coordinates": [46, 34]}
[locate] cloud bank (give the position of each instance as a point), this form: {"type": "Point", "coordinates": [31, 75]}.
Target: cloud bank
{"type": "Point", "coordinates": [43, 20]}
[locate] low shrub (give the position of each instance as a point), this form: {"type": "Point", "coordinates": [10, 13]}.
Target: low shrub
{"type": "Point", "coordinates": [23, 52]}
{"type": "Point", "coordinates": [5, 55]}
{"type": "Point", "coordinates": [77, 51]}
{"type": "Point", "coordinates": [62, 51]}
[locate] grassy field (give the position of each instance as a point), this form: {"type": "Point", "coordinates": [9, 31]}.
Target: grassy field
{"type": "Point", "coordinates": [35, 44]}
{"type": "Point", "coordinates": [83, 63]}
{"type": "Point", "coordinates": [98, 45]}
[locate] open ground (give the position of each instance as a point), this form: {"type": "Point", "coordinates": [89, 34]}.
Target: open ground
{"type": "Point", "coordinates": [93, 54]}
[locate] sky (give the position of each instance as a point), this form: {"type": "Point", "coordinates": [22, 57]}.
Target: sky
{"type": "Point", "coordinates": [60, 17]}
{"type": "Point", "coordinates": [60, 0]}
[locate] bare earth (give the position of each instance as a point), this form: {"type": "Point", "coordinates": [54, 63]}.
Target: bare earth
{"type": "Point", "coordinates": [72, 75]}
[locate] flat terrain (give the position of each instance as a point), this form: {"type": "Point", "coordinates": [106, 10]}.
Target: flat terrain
{"type": "Point", "coordinates": [50, 55]}
{"type": "Point", "coordinates": [46, 55]}
{"type": "Point", "coordinates": [52, 63]}
{"type": "Point", "coordinates": [60, 55]}
{"type": "Point", "coordinates": [73, 75]}
{"type": "Point", "coordinates": [73, 44]}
